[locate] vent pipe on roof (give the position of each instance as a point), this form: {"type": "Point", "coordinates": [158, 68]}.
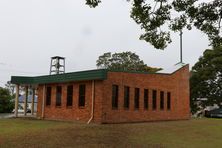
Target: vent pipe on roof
{"type": "Point", "coordinates": [57, 65]}
{"type": "Point", "coordinates": [181, 48]}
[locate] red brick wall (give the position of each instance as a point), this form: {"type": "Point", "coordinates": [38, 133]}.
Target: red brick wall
{"type": "Point", "coordinates": [177, 84]}
{"type": "Point", "coordinates": [75, 112]}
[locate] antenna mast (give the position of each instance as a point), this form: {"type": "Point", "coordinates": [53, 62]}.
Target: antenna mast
{"type": "Point", "coordinates": [181, 46]}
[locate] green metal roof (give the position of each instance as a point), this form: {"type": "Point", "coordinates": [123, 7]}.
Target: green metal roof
{"type": "Point", "coordinates": [99, 74]}
{"type": "Point", "coordinates": [161, 72]}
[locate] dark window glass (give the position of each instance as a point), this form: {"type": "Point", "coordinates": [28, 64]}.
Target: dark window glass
{"type": "Point", "coordinates": [48, 95]}
{"type": "Point", "coordinates": [161, 100]}
{"type": "Point", "coordinates": [115, 92]}
{"type": "Point", "coordinates": [82, 93]}
{"type": "Point", "coordinates": [58, 95]}
{"type": "Point", "coordinates": [168, 100]}
{"type": "Point", "coordinates": [154, 100]}
{"type": "Point", "coordinates": [146, 96]}
{"type": "Point", "coordinates": [69, 95]}
{"type": "Point", "coordinates": [137, 97]}
{"type": "Point", "coordinates": [126, 97]}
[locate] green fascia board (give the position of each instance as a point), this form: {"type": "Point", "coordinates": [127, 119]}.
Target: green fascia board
{"type": "Point", "coordinates": [99, 74]}
{"type": "Point", "coordinates": [22, 80]}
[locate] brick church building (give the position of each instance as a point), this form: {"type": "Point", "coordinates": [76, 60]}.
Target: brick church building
{"type": "Point", "coordinates": [104, 96]}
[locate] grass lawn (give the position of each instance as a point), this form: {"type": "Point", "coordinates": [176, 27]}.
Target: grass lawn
{"type": "Point", "coordinates": [195, 133]}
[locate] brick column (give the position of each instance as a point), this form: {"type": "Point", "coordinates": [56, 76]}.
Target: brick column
{"type": "Point", "coordinates": [16, 100]}
{"type": "Point", "coordinates": [43, 102]}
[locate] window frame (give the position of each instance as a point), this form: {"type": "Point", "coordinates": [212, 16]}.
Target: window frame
{"type": "Point", "coordinates": [58, 96]}
{"type": "Point", "coordinates": [154, 100]}
{"type": "Point", "coordinates": [82, 96]}
{"type": "Point", "coordinates": [48, 95]}
{"type": "Point", "coordinates": [69, 96]}
{"type": "Point", "coordinates": [161, 100]}
{"type": "Point", "coordinates": [126, 104]}
{"type": "Point", "coordinates": [136, 98]}
{"type": "Point", "coordinates": [168, 100]}
{"type": "Point", "coordinates": [146, 99]}
{"type": "Point", "coordinates": [115, 96]}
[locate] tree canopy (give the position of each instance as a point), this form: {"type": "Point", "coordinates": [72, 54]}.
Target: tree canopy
{"type": "Point", "coordinates": [206, 78]}
{"type": "Point", "coordinates": [154, 15]}
{"type": "Point", "coordinates": [126, 61]}
{"type": "Point", "coordinates": [6, 103]}
{"type": "Point", "coordinates": [10, 87]}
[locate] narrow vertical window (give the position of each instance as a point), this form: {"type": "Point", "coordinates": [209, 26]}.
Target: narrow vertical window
{"type": "Point", "coordinates": [82, 93]}
{"type": "Point", "coordinates": [58, 95]}
{"type": "Point", "coordinates": [161, 100]}
{"type": "Point", "coordinates": [126, 97]}
{"type": "Point", "coordinates": [146, 95]}
{"type": "Point", "coordinates": [48, 96]}
{"type": "Point", "coordinates": [154, 100]}
{"type": "Point", "coordinates": [168, 100]}
{"type": "Point", "coordinates": [136, 99]}
{"type": "Point", "coordinates": [115, 92]}
{"type": "Point", "coordinates": [69, 95]}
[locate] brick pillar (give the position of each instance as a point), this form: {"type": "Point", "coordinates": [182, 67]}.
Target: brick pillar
{"type": "Point", "coordinates": [43, 102]}
{"type": "Point", "coordinates": [16, 100]}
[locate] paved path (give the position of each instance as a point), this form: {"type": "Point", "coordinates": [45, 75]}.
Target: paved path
{"type": "Point", "coordinates": [6, 115]}
{"type": "Point", "coordinates": [11, 115]}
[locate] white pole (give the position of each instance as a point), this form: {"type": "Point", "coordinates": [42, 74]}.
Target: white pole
{"type": "Point", "coordinates": [93, 97]}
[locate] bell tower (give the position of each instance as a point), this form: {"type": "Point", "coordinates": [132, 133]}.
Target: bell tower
{"type": "Point", "coordinates": [57, 65]}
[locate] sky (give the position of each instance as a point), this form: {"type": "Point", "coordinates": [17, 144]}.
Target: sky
{"type": "Point", "coordinates": [32, 31]}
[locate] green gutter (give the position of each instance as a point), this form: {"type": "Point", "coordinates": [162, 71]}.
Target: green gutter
{"type": "Point", "coordinates": [99, 74]}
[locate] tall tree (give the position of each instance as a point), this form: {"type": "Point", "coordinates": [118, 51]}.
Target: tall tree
{"type": "Point", "coordinates": [10, 87]}
{"type": "Point", "coordinates": [154, 15]}
{"type": "Point", "coordinates": [206, 78]}
{"type": "Point", "coordinates": [123, 61]}
{"type": "Point", "coordinates": [6, 102]}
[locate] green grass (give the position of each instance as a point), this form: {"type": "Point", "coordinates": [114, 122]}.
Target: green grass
{"type": "Point", "coordinates": [195, 133]}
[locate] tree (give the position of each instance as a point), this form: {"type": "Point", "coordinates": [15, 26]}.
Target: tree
{"type": "Point", "coordinates": [6, 102]}
{"type": "Point", "coordinates": [154, 15]}
{"type": "Point", "coordinates": [10, 87]}
{"type": "Point", "coordinates": [123, 61]}
{"type": "Point", "coordinates": [206, 78]}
